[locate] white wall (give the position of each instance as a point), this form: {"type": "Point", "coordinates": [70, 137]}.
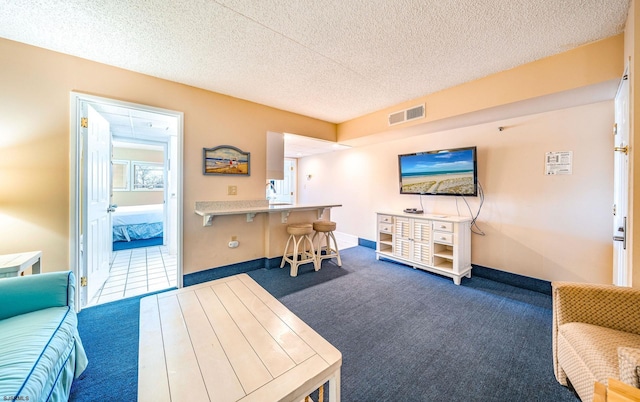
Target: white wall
{"type": "Point", "coordinates": [546, 227]}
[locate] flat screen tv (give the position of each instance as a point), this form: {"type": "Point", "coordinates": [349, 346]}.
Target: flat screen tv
{"type": "Point", "coordinates": [442, 172]}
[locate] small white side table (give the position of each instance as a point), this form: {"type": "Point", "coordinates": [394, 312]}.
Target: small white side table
{"type": "Point", "coordinates": [15, 264]}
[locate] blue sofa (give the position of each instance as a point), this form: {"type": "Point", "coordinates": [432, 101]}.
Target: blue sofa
{"type": "Point", "coordinates": [40, 349]}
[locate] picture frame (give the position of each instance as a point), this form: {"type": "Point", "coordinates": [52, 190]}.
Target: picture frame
{"type": "Point", "coordinates": [226, 160]}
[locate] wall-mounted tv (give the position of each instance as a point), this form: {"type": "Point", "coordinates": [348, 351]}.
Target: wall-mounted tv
{"type": "Point", "coordinates": [442, 172]}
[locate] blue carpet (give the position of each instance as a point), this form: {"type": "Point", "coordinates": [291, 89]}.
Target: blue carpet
{"type": "Point", "coordinates": [404, 334]}
{"type": "Point", "coordinates": [109, 333]}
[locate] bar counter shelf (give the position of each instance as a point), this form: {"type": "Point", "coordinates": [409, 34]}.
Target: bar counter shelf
{"type": "Point", "coordinates": [209, 209]}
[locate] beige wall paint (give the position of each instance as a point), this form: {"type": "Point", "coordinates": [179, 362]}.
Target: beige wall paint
{"type": "Point", "coordinates": [34, 128]}
{"type": "Point", "coordinates": [546, 227]}
{"type": "Point", "coordinates": [139, 197]}
{"type": "Point", "coordinates": [34, 151]}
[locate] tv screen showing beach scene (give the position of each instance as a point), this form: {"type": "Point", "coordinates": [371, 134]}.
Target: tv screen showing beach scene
{"type": "Point", "coordinates": [443, 172]}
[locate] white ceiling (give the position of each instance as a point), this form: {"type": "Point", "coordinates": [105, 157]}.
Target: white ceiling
{"type": "Point", "coordinates": [329, 59]}
{"type": "Point", "coordinates": [298, 146]}
{"type": "Point", "coordinates": [142, 125]}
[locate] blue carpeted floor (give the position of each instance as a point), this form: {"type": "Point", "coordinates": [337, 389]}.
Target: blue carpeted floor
{"type": "Point", "coordinates": [404, 334]}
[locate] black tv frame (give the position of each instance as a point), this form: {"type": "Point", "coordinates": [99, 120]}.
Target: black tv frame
{"type": "Point", "coordinates": [442, 151]}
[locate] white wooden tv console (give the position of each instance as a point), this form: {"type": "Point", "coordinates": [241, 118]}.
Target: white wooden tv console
{"type": "Point", "coordinates": [436, 243]}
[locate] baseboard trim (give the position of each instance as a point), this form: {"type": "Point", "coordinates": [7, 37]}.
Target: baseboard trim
{"type": "Point", "coordinates": [366, 243]}
{"type": "Point", "coordinates": [520, 281]}
{"type": "Point", "coordinates": [227, 270]}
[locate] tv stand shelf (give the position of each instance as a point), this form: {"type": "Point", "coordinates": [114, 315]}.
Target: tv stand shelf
{"type": "Point", "coordinates": [436, 243]}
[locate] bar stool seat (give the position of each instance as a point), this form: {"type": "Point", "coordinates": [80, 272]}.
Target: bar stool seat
{"type": "Point", "coordinates": [302, 247]}
{"type": "Point", "coordinates": [324, 229]}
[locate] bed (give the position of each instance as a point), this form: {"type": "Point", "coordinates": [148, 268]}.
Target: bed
{"type": "Point", "coordinates": [138, 223]}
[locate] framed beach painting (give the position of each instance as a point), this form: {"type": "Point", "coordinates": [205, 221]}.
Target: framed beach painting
{"type": "Point", "coordinates": [225, 160]}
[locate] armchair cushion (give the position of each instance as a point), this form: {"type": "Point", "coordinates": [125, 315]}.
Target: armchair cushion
{"type": "Point", "coordinates": [590, 346]}
{"type": "Point", "coordinates": [590, 323]}
{"type": "Point", "coordinates": [603, 305]}
{"type": "Point", "coordinates": [629, 363]}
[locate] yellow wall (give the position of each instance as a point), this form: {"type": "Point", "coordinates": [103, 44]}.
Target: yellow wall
{"type": "Point", "coordinates": [34, 146]}
{"type": "Point", "coordinates": [534, 225]}
{"type": "Point", "coordinates": [34, 150]}
{"type": "Point", "coordinates": [545, 227]}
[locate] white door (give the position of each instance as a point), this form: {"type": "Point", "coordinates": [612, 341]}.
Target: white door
{"type": "Point", "coordinates": [171, 197]}
{"type": "Point", "coordinates": [621, 268]}
{"type": "Point", "coordinates": [97, 193]}
{"type": "Point", "coordinates": [285, 190]}
{"type": "Point", "coordinates": [290, 178]}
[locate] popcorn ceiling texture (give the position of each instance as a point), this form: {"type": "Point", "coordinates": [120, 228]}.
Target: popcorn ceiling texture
{"type": "Point", "coordinates": [330, 59]}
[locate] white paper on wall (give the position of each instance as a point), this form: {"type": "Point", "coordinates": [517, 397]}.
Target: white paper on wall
{"type": "Point", "coordinates": [558, 162]}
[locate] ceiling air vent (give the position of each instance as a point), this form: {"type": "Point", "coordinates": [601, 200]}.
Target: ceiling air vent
{"type": "Point", "coordinates": [396, 118]}
{"type": "Point", "coordinates": [416, 112]}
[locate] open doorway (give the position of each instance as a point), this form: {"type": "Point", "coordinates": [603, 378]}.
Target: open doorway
{"type": "Point", "coordinates": [284, 191]}
{"type": "Point", "coordinates": [126, 218]}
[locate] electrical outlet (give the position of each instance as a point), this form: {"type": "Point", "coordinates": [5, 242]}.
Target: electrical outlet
{"type": "Point", "coordinates": [232, 190]}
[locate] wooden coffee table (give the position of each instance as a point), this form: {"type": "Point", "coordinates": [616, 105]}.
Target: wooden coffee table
{"type": "Point", "coordinates": [230, 340]}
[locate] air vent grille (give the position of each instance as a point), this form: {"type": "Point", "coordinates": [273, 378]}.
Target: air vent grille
{"type": "Point", "coordinates": [416, 112]}
{"type": "Point", "coordinates": [395, 118]}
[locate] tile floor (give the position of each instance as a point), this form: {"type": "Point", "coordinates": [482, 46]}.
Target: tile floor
{"type": "Point", "coordinates": [138, 271]}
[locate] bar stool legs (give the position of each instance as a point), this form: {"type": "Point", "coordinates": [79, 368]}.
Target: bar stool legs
{"type": "Point", "coordinates": [324, 229]}
{"type": "Point", "coordinates": [302, 247]}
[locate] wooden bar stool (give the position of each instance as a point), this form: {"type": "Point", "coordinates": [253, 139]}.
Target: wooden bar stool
{"type": "Point", "coordinates": [325, 229]}
{"type": "Point", "coordinates": [302, 247]}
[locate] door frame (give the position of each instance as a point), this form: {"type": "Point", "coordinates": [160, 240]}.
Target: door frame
{"type": "Point", "coordinates": [622, 269]}
{"type": "Point", "coordinates": [75, 191]}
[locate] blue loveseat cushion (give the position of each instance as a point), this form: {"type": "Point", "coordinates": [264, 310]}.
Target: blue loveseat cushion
{"type": "Point", "coordinates": [38, 352]}
{"type": "Point", "coordinates": [24, 294]}
{"type": "Point", "coordinates": [40, 349]}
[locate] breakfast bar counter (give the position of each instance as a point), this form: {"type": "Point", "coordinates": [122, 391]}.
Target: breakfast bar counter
{"type": "Point", "coordinates": [209, 209]}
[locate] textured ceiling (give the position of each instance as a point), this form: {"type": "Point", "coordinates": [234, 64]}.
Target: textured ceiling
{"type": "Point", "coordinates": [330, 59]}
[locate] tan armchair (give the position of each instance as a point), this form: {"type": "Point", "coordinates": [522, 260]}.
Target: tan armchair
{"type": "Point", "coordinates": [596, 335]}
